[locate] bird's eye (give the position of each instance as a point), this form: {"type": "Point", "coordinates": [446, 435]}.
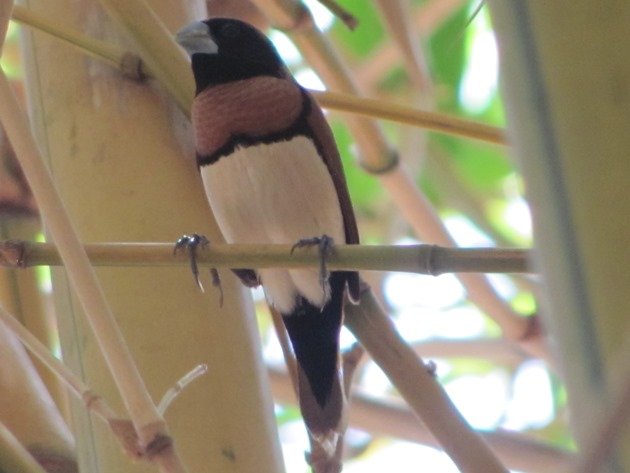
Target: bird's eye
{"type": "Point", "coordinates": [230, 30]}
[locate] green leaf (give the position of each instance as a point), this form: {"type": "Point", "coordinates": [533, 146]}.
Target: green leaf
{"type": "Point", "coordinates": [369, 32]}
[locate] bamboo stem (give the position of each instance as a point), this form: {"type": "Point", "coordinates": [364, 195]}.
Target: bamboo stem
{"type": "Point", "coordinates": [399, 22]}
{"type": "Point", "coordinates": [612, 420]}
{"type": "Point", "coordinates": [424, 395]}
{"type": "Point", "coordinates": [148, 423]}
{"type": "Point", "coordinates": [5, 15]}
{"type": "Point", "coordinates": [423, 259]}
{"type": "Point", "coordinates": [427, 18]}
{"type": "Point", "coordinates": [496, 350]}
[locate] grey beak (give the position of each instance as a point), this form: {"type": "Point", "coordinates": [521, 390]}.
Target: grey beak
{"type": "Point", "coordinates": [196, 38]}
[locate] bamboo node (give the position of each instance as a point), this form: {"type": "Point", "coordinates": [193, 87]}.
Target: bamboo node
{"type": "Point", "coordinates": [429, 260]}
{"type": "Point", "coordinates": [12, 253]}
{"type": "Point", "coordinates": [389, 163]}
{"type": "Point", "coordinates": [124, 431]}
{"type": "Point", "coordinates": [90, 398]}
{"type": "Point", "coordinates": [132, 67]}
{"type": "Point", "coordinates": [302, 22]}
{"type": "Point", "coordinates": [53, 461]}
{"type": "Point", "coordinates": [158, 445]}
{"type": "Point", "coordinates": [533, 329]}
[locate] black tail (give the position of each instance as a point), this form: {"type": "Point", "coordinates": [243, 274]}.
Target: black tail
{"type": "Point", "coordinates": [314, 334]}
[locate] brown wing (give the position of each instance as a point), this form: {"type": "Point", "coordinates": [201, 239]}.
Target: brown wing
{"type": "Point", "coordinates": [327, 147]}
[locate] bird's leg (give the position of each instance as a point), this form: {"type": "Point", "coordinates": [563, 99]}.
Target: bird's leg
{"type": "Point", "coordinates": [325, 246]}
{"type": "Point", "coordinates": [191, 243]}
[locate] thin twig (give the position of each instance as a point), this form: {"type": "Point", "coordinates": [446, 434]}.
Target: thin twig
{"type": "Point", "coordinates": [121, 428]}
{"type": "Point", "coordinates": [184, 381]}
{"type": "Point", "coordinates": [340, 12]}
{"type": "Point", "coordinates": [422, 259]}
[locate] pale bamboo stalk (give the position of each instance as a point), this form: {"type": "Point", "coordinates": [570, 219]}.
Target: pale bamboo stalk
{"type": "Point", "coordinates": [399, 21]}
{"type": "Point", "coordinates": [427, 18]}
{"type": "Point", "coordinates": [391, 419]}
{"type": "Point", "coordinates": [422, 259]}
{"type": "Point", "coordinates": [26, 407]}
{"type": "Point", "coordinates": [612, 420]}
{"type": "Point", "coordinates": [148, 423]}
{"type": "Point", "coordinates": [5, 13]}
{"type": "Point", "coordinates": [21, 295]}
{"type": "Point", "coordinates": [285, 14]}
{"type": "Point", "coordinates": [580, 205]}
{"type": "Point", "coordinates": [376, 155]}
{"type": "Point", "coordinates": [438, 168]}
{"type": "Point", "coordinates": [496, 350]}
{"type": "Point", "coordinates": [92, 401]}
{"type": "Point", "coordinates": [13, 456]}
{"type": "Point", "coordinates": [376, 332]}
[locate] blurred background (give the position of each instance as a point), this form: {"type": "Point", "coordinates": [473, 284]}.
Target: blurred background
{"type": "Point", "coordinates": [474, 188]}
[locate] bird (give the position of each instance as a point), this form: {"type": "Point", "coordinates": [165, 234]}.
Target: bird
{"type": "Point", "coordinates": [272, 173]}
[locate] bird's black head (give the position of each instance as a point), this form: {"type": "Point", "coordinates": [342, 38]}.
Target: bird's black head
{"type": "Point", "coordinates": [225, 50]}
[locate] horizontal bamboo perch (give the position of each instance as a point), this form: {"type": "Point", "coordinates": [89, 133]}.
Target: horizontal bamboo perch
{"type": "Point", "coordinates": [423, 259]}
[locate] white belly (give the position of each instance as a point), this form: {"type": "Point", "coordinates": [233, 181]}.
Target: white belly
{"type": "Point", "coordinates": [276, 193]}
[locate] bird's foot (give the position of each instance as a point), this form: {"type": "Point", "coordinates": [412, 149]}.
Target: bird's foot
{"type": "Point", "coordinates": [325, 245]}
{"type": "Point", "coordinates": [191, 243]}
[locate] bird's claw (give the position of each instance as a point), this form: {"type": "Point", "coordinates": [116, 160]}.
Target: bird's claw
{"type": "Point", "coordinates": [325, 247]}
{"type": "Point", "coordinates": [191, 243]}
